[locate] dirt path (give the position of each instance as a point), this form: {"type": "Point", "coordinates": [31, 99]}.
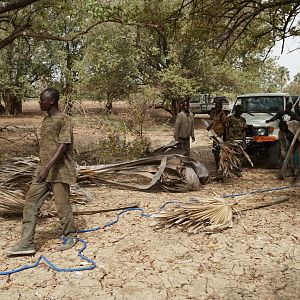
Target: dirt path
{"type": "Point", "coordinates": [259, 258]}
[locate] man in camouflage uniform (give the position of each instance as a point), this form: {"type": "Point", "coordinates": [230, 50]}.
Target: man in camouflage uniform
{"type": "Point", "coordinates": [184, 128]}
{"type": "Point", "coordinates": [55, 173]}
{"type": "Point", "coordinates": [236, 130]}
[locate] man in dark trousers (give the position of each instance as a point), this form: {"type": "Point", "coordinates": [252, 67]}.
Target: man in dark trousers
{"type": "Point", "coordinates": [56, 171]}
{"type": "Point", "coordinates": [285, 137]}
{"type": "Point", "coordinates": [184, 128]}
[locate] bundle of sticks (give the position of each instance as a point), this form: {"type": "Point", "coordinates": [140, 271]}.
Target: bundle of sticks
{"type": "Point", "coordinates": [231, 154]}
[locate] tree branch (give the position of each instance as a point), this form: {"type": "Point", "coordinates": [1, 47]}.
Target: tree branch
{"type": "Point", "coordinates": [6, 6]}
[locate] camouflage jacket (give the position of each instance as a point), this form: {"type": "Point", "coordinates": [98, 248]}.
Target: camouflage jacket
{"type": "Point", "coordinates": [236, 128]}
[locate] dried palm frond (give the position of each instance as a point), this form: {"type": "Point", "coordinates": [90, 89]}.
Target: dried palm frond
{"type": "Point", "coordinates": [12, 203]}
{"type": "Point", "coordinates": [173, 173]}
{"type": "Point", "coordinates": [18, 171]}
{"type": "Point", "coordinates": [206, 216]}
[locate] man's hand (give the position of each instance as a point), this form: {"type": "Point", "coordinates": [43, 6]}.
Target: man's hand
{"type": "Point", "coordinates": [193, 139]}
{"type": "Point", "coordinates": [42, 175]}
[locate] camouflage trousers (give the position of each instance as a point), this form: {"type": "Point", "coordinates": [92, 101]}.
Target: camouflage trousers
{"type": "Point", "coordinates": [36, 196]}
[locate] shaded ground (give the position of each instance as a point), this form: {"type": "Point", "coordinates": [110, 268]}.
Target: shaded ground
{"type": "Point", "coordinates": [259, 258]}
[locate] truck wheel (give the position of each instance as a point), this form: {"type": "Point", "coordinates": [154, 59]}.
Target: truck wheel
{"type": "Point", "coordinates": [274, 161]}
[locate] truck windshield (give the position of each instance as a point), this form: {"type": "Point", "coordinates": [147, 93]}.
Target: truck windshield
{"type": "Point", "coordinates": [257, 104]}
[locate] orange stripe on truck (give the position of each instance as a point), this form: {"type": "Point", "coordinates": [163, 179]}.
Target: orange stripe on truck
{"type": "Point", "coordinates": [263, 138]}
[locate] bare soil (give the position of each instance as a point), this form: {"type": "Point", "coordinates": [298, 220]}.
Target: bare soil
{"type": "Point", "coordinates": [259, 258]}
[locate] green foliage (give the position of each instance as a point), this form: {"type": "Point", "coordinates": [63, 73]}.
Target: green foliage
{"type": "Point", "coordinates": [294, 87]}
{"type": "Point", "coordinates": [139, 104]}
{"type": "Point", "coordinates": [107, 70]}
{"type": "Point", "coordinates": [179, 47]}
{"type": "Point", "coordinates": [115, 148]}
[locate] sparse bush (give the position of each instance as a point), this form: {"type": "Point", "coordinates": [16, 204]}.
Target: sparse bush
{"type": "Point", "coordinates": [139, 104]}
{"type": "Point", "coordinates": [112, 140]}
{"type": "Point", "coordinates": [113, 149]}
{"type": "Point", "coordinates": [18, 142]}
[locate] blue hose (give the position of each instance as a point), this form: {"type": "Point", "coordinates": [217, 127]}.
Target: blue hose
{"type": "Point", "coordinates": [261, 191]}
{"type": "Point", "coordinates": [93, 263]}
{"type": "Point", "coordinates": [54, 267]}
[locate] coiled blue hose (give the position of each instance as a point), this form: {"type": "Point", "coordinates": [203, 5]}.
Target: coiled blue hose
{"type": "Point", "coordinates": [143, 214]}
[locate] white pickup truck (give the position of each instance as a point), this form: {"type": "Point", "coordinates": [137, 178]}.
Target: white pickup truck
{"type": "Point", "coordinates": [204, 104]}
{"type": "Point", "coordinates": [261, 137]}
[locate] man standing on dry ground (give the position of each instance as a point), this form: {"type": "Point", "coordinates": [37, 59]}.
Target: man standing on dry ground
{"type": "Point", "coordinates": [184, 128]}
{"type": "Point", "coordinates": [236, 131]}
{"type": "Point", "coordinates": [285, 136]}
{"type": "Point", "coordinates": [218, 126]}
{"type": "Point", "coordinates": [55, 173]}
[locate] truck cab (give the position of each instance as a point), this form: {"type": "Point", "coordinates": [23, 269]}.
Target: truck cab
{"type": "Point", "coordinates": [262, 139]}
{"type": "Point", "coordinates": [205, 104]}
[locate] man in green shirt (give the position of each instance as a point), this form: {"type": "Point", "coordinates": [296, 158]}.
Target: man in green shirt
{"type": "Point", "coordinates": [184, 128]}
{"type": "Point", "coordinates": [55, 173]}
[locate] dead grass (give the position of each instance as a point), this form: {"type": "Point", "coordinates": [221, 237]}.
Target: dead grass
{"type": "Point", "coordinates": [99, 137]}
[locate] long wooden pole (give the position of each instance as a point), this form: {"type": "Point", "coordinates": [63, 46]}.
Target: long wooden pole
{"type": "Point", "coordinates": [286, 160]}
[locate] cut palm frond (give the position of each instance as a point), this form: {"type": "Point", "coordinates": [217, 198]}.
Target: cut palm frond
{"type": "Point", "coordinates": [12, 203]}
{"type": "Point", "coordinates": [207, 216]}
{"type": "Point", "coordinates": [18, 171]}
{"type": "Point", "coordinates": [173, 173]}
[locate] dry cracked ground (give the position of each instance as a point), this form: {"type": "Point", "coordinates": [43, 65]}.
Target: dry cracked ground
{"type": "Point", "coordinates": [258, 258]}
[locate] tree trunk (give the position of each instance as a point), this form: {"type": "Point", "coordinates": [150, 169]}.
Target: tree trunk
{"type": "Point", "coordinates": [68, 100]}
{"type": "Point", "coordinates": [108, 105]}
{"type": "Point", "coordinates": [68, 88]}
{"type": "Point", "coordinates": [175, 108]}
{"type": "Point", "coordinates": [13, 104]}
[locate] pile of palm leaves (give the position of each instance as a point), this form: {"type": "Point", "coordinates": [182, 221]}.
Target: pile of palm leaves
{"type": "Point", "coordinates": [12, 201]}
{"type": "Point", "coordinates": [172, 173]}
{"type": "Point", "coordinates": [18, 171]}
{"type": "Point", "coordinates": [12, 204]}
{"type": "Point", "coordinates": [208, 216]}
{"type": "Point", "coordinates": [231, 154]}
